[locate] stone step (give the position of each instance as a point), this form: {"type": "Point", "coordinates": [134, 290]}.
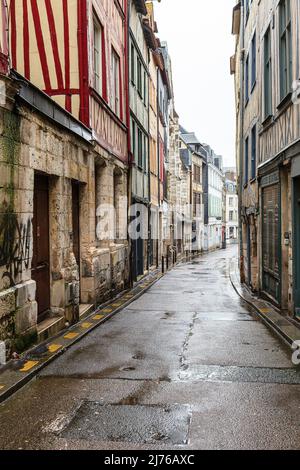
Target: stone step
{"type": "Point", "coordinates": [50, 327]}
{"type": "Point", "coordinates": [85, 310]}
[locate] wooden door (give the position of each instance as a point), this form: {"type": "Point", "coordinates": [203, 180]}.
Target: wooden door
{"type": "Point", "coordinates": [75, 221]}
{"type": "Point", "coordinates": [41, 252]}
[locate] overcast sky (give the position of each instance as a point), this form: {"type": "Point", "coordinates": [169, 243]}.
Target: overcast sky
{"type": "Point", "coordinates": [200, 43]}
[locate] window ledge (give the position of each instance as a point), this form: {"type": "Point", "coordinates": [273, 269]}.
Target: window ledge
{"type": "Point", "coordinates": [268, 120]}
{"type": "Point", "coordinates": [285, 102]}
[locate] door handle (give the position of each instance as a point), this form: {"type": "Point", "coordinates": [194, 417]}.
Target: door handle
{"type": "Point", "coordinates": [42, 266]}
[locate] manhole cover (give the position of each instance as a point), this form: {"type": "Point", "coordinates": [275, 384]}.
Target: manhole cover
{"type": "Point", "coordinates": [139, 424]}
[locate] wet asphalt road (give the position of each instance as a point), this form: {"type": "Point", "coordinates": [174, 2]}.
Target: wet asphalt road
{"type": "Point", "coordinates": [188, 365]}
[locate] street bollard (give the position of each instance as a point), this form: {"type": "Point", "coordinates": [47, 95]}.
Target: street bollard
{"type": "Point", "coordinates": [162, 264]}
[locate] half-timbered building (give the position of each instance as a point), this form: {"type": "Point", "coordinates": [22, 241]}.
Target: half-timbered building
{"type": "Point", "coordinates": [63, 201]}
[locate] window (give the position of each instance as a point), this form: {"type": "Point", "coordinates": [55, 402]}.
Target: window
{"type": "Point", "coordinates": [267, 74]}
{"type": "Point", "coordinates": [230, 216]}
{"type": "Point", "coordinates": [246, 169]}
{"type": "Point", "coordinates": [246, 9]}
{"type": "Point", "coordinates": [285, 48]}
{"type": "Point", "coordinates": [145, 87]}
{"type": "Point", "coordinates": [253, 61]}
{"type": "Point", "coordinates": [115, 66]}
{"type": "Point", "coordinates": [253, 152]}
{"type": "Point", "coordinates": [197, 205]}
{"type": "Point", "coordinates": [133, 138]}
{"type": "Point", "coordinates": [247, 80]}
{"type": "Point", "coordinates": [140, 148]}
{"type": "Point", "coordinates": [132, 64]}
{"type": "Point", "coordinates": [145, 166]}
{"type": "Point", "coordinates": [98, 54]}
{"type": "Point", "coordinates": [139, 77]}
{"type": "Point", "coordinates": [231, 201]}
{"type": "Point", "coordinates": [197, 174]}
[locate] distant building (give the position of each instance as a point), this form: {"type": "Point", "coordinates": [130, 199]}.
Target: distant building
{"type": "Point", "coordinates": [231, 207]}
{"type": "Point", "coordinates": [214, 229]}
{"type": "Point", "coordinates": [199, 155]}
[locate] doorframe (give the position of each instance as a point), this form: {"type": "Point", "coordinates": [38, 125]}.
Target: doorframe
{"type": "Point", "coordinates": [264, 292]}
{"type": "Point", "coordinates": [78, 185]}
{"type": "Point", "coordinates": [296, 241]}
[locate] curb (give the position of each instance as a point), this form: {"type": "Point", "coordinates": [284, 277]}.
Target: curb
{"type": "Point", "coordinates": [279, 324]}
{"type": "Point", "coordinates": [16, 375]}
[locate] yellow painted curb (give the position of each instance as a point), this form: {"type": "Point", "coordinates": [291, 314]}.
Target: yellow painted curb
{"type": "Point", "coordinates": [98, 317]}
{"type": "Point", "coordinates": [29, 365]}
{"type": "Point", "coordinates": [107, 310]}
{"type": "Point", "coordinates": [86, 325]}
{"type": "Point", "coordinates": [71, 336]}
{"type": "Point", "coordinates": [265, 310]}
{"type": "Point", "coordinates": [54, 347]}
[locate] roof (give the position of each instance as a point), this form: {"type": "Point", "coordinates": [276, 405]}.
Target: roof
{"type": "Point", "coordinates": [182, 130]}
{"type": "Point", "coordinates": [190, 138]}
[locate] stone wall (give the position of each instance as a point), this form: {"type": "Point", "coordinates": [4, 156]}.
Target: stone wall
{"type": "Point", "coordinates": [32, 144]}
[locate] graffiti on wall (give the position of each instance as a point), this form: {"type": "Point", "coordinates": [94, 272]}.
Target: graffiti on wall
{"type": "Point", "coordinates": [15, 238]}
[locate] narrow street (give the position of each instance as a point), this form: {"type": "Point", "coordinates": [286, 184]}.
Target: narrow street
{"type": "Point", "coordinates": [187, 366]}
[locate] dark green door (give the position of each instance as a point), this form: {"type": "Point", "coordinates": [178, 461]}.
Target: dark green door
{"type": "Point", "coordinates": [296, 245]}
{"type": "Point", "coordinates": [249, 254]}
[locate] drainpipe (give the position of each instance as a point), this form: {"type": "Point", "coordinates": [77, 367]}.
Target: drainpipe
{"type": "Point", "coordinates": [158, 161]}
{"type": "Point", "coordinates": [149, 173]}
{"type": "Point", "coordinates": [129, 177]}
{"type": "Point", "coordinates": [241, 152]}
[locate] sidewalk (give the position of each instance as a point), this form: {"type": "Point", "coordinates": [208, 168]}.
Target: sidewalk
{"type": "Point", "coordinates": [281, 325]}
{"type": "Point", "coordinates": [16, 373]}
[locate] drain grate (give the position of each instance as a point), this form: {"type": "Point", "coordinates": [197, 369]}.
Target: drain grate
{"type": "Point", "coordinates": [136, 424]}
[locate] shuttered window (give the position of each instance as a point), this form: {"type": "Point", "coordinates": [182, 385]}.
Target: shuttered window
{"type": "Point", "coordinates": [267, 74]}
{"type": "Point", "coordinates": [98, 56]}
{"type": "Point", "coordinates": [285, 47]}
{"type": "Point", "coordinates": [253, 61]}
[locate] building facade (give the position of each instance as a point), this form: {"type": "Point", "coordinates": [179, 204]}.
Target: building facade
{"type": "Point", "coordinates": [214, 230]}
{"type": "Point", "coordinates": [64, 175]}
{"type": "Point", "coordinates": [268, 117]}
{"type": "Point", "coordinates": [231, 206]}
{"type": "Point", "coordinates": [197, 188]}
{"type": "Point", "coordinates": [139, 130]}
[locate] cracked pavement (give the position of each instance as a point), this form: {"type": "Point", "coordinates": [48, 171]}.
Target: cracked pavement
{"type": "Point", "coordinates": [187, 365]}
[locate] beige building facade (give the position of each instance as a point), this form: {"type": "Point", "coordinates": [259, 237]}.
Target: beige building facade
{"type": "Point", "coordinates": [266, 65]}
